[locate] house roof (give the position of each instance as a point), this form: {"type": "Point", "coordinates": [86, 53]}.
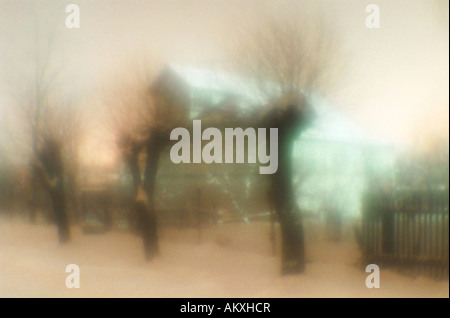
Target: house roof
{"type": "Point", "coordinates": [206, 79]}
{"type": "Point", "coordinates": [331, 124]}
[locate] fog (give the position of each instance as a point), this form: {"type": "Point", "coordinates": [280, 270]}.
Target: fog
{"type": "Point", "coordinates": [394, 77]}
{"type": "Point", "coordinates": [89, 154]}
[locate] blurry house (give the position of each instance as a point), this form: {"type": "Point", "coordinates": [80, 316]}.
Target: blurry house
{"type": "Point", "coordinates": [336, 160]}
{"type": "Point", "coordinates": [206, 89]}
{"type": "Point", "coordinates": [333, 157]}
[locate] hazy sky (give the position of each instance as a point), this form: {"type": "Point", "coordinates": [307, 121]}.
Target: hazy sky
{"type": "Point", "coordinates": [395, 81]}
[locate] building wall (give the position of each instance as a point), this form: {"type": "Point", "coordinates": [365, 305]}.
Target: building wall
{"type": "Point", "coordinates": [330, 173]}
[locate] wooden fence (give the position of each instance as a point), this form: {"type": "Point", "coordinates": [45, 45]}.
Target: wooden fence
{"type": "Point", "coordinates": [410, 232]}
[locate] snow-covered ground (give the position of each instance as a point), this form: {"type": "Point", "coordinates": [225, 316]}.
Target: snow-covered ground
{"type": "Point", "coordinates": [233, 260]}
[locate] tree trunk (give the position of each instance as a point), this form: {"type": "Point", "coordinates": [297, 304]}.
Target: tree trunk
{"type": "Point", "coordinates": [131, 160]}
{"type": "Point", "coordinates": [146, 214]}
{"type": "Point", "coordinates": [50, 169]}
{"type": "Point", "coordinates": [292, 236]}
{"type": "Point", "coordinates": [33, 198]}
{"type": "Point", "coordinates": [148, 227]}
{"type": "Point", "coordinates": [143, 192]}
{"type": "Point", "coordinates": [60, 211]}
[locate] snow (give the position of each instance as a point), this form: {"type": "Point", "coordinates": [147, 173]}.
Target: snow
{"type": "Point", "coordinates": [232, 260]}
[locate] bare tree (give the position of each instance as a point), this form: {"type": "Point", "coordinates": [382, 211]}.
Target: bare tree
{"type": "Point", "coordinates": [143, 116]}
{"type": "Point", "coordinates": [54, 153]}
{"type": "Point", "coordinates": [45, 122]}
{"type": "Point", "coordinates": [48, 132]}
{"type": "Point", "coordinates": [288, 58]}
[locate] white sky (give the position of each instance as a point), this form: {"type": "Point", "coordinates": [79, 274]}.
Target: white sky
{"type": "Point", "coordinates": [395, 84]}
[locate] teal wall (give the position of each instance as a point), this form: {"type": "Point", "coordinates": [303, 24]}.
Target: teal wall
{"type": "Point", "coordinates": [335, 173]}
